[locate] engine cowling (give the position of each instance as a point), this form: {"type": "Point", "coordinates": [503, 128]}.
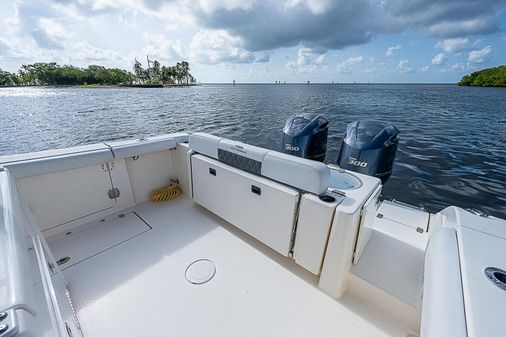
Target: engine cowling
{"type": "Point", "coordinates": [369, 147]}
{"type": "Point", "coordinates": [305, 135]}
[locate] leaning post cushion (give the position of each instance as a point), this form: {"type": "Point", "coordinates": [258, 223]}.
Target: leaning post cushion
{"type": "Point", "coordinates": [304, 174]}
{"type": "Point", "coordinates": [205, 144]}
{"type": "Point", "coordinates": [242, 156]}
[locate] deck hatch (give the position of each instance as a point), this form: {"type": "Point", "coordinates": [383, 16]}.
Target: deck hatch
{"type": "Point", "coordinates": [200, 271]}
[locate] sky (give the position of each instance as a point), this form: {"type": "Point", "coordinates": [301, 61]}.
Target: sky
{"type": "Point", "coordinates": [262, 40]}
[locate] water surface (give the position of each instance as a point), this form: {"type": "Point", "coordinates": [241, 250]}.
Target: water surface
{"type": "Point", "coordinates": [452, 149]}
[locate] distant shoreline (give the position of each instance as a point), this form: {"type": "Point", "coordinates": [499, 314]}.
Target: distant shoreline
{"type": "Point", "coordinates": [490, 77]}
{"type": "Point", "coordinates": [147, 86]}
{"type": "Point", "coordinates": [102, 86]}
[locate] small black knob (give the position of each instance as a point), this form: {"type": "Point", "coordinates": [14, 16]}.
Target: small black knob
{"type": "Point", "coordinates": [3, 315]}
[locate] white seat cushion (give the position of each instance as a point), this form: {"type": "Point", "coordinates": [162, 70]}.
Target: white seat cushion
{"type": "Point", "coordinates": [305, 174]}
{"type": "Point", "coordinates": [301, 173]}
{"type": "Point", "coordinates": [205, 144]}
{"type": "Point", "coordinates": [242, 156]}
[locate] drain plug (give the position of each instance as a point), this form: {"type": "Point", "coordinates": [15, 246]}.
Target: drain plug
{"type": "Point", "coordinates": [200, 271]}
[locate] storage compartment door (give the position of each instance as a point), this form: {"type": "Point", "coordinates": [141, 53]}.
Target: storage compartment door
{"type": "Point", "coordinates": [262, 208]}
{"type": "Point", "coordinates": [60, 197]}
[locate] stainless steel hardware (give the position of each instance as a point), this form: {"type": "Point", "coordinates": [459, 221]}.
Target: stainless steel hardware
{"type": "Point", "coordinates": [69, 330]}
{"type": "Point", "coordinates": [63, 260]}
{"type": "Point", "coordinates": [3, 328]}
{"type": "Point", "coordinates": [496, 276]}
{"type": "Point", "coordinates": [113, 193]}
{"type": "Point", "coordinates": [478, 212]}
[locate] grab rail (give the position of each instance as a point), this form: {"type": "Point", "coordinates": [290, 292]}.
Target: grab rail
{"type": "Point", "coordinates": [14, 272]}
{"type": "Point", "coordinates": [15, 285]}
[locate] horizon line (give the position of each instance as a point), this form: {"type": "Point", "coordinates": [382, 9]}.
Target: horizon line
{"type": "Point", "coordinates": [330, 83]}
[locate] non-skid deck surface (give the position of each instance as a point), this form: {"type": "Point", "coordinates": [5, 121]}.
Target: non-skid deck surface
{"type": "Point", "coordinates": [83, 243]}
{"type": "Point", "coordinates": [138, 287]}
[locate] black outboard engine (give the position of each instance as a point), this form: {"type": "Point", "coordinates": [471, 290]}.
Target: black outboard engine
{"type": "Point", "coordinates": [369, 147]}
{"type": "Point", "coordinates": [305, 135]}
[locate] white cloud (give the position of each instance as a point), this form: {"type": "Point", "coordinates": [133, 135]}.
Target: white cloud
{"type": "Point", "coordinates": [217, 46]}
{"type": "Point", "coordinates": [336, 24]}
{"type": "Point", "coordinates": [53, 28]}
{"type": "Point", "coordinates": [262, 57]}
{"type": "Point", "coordinates": [320, 59]}
{"type": "Point", "coordinates": [391, 50]}
{"type": "Point", "coordinates": [112, 32]}
{"type": "Point", "coordinates": [161, 48]}
{"type": "Point", "coordinates": [309, 60]}
{"type": "Point", "coordinates": [404, 67]}
{"type": "Point", "coordinates": [474, 25]}
{"type": "Point", "coordinates": [453, 46]}
{"type": "Point", "coordinates": [439, 59]}
{"type": "Point", "coordinates": [458, 67]}
{"type": "Point", "coordinates": [480, 55]}
{"type": "Point", "coordinates": [85, 52]}
{"type": "Point", "coordinates": [307, 56]}
{"type": "Point", "coordinates": [423, 69]}
{"type": "Point", "coordinates": [346, 66]}
{"type": "Point", "coordinates": [315, 6]}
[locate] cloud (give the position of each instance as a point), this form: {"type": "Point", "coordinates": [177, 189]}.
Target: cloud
{"type": "Point", "coordinates": [85, 52]}
{"type": "Point", "coordinates": [308, 60]}
{"type": "Point", "coordinates": [308, 55]}
{"type": "Point", "coordinates": [404, 67]}
{"type": "Point", "coordinates": [269, 24]}
{"type": "Point", "coordinates": [39, 22]}
{"type": "Point", "coordinates": [240, 31]}
{"type": "Point", "coordinates": [320, 59]}
{"type": "Point", "coordinates": [346, 66]}
{"type": "Point", "coordinates": [163, 49]}
{"type": "Point", "coordinates": [453, 46]}
{"type": "Point", "coordinates": [423, 69]}
{"type": "Point", "coordinates": [480, 55]}
{"type": "Point", "coordinates": [8, 50]}
{"type": "Point", "coordinates": [458, 67]}
{"type": "Point", "coordinates": [217, 46]}
{"type": "Point", "coordinates": [439, 59]}
{"type": "Point", "coordinates": [478, 26]}
{"type": "Point", "coordinates": [262, 57]}
{"type": "Point", "coordinates": [391, 50]}
{"type": "Point", "coordinates": [266, 25]}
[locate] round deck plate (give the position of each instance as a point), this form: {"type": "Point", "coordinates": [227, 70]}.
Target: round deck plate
{"type": "Point", "coordinates": [200, 271]}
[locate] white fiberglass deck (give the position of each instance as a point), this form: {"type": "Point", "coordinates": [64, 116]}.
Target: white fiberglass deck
{"type": "Point", "coordinates": [136, 285]}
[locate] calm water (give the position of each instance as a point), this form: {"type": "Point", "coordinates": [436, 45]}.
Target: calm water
{"type": "Point", "coordinates": [452, 149]}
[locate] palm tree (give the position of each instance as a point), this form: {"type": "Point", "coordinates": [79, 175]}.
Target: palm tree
{"type": "Point", "coordinates": [140, 73]}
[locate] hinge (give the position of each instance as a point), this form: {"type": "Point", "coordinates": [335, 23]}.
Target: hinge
{"type": "Point", "coordinates": [113, 193]}
{"type": "Point", "coordinates": [107, 167]}
{"type": "Point", "coordinates": [51, 267]}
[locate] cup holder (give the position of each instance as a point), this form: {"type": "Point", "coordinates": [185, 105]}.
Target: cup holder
{"type": "Point", "coordinates": [496, 276]}
{"type": "Point", "coordinates": [327, 198]}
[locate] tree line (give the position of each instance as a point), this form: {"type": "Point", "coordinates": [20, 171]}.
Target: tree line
{"type": "Point", "coordinates": [491, 77]}
{"type": "Point", "coordinates": [55, 74]}
{"type": "Point", "coordinates": [158, 74]}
